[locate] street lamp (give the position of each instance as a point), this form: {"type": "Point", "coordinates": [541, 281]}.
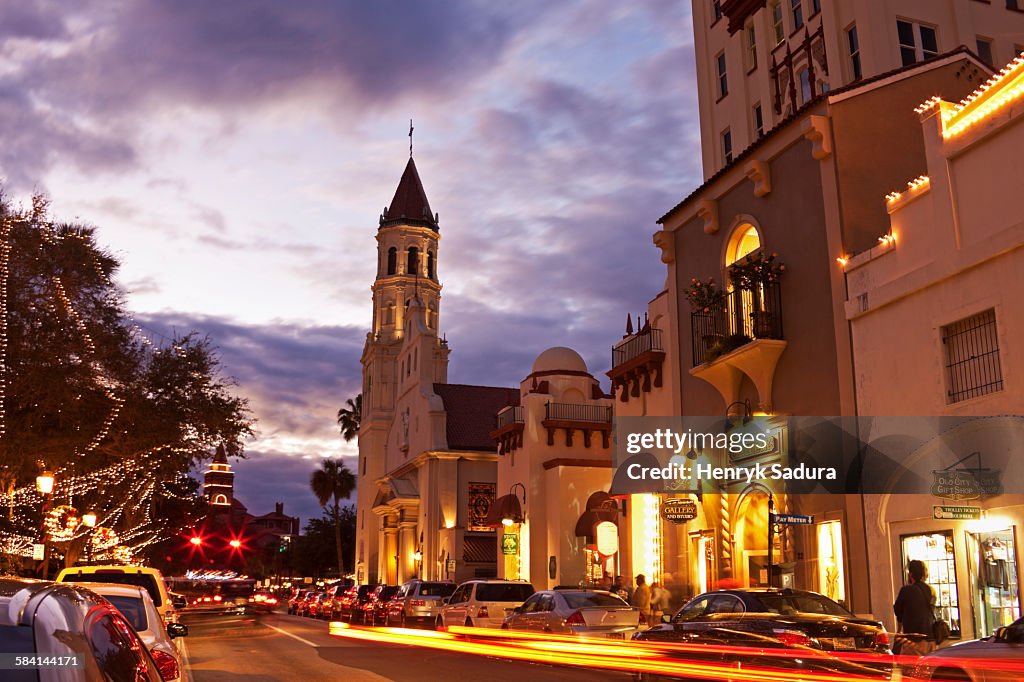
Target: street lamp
{"type": "Point", "coordinates": [512, 514]}
{"type": "Point", "coordinates": [89, 519]}
{"type": "Point", "coordinates": [44, 484]}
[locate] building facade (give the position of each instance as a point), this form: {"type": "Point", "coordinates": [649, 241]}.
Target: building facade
{"type": "Point", "coordinates": [754, 316]}
{"type": "Point", "coordinates": [940, 288]}
{"type": "Point", "coordinates": [427, 465]}
{"type": "Point", "coordinates": [758, 61]}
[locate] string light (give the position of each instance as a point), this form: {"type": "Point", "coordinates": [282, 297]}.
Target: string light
{"type": "Point", "coordinates": [977, 106]}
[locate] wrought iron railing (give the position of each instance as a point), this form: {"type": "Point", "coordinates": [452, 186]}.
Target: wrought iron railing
{"type": "Point", "coordinates": [512, 414]}
{"type": "Point", "coordinates": [572, 412]}
{"type": "Point", "coordinates": [636, 345]}
{"type": "Point", "coordinates": [748, 314]}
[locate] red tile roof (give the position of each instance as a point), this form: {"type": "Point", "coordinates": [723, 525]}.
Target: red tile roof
{"type": "Point", "coordinates": [409, 205]}
{"type": "Point", "coordinates": [471, 411]}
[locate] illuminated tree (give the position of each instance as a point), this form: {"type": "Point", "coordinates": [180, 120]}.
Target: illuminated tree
{"type": "Point", "coordinates": [119, 418]}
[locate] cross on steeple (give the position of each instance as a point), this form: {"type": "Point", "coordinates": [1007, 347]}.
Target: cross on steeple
{"type": "Point", "coordinates": [410, 138]}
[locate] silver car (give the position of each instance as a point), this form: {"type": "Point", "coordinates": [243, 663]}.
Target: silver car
{"type": "Point", "coordinates": [957, 662]}
{"type": "Point", "coordinates": [587, 613]}
{"type": "Point", "coordinates": [417, 601]}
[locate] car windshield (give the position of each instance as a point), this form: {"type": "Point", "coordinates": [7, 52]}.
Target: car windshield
{"type": "Point", "coordinates": [132, 609]}
{"type": "Point", "coordinates": [577, 600]}
{"type": "Point", "coordinates": [517, 592]}
{"type": "Point", "coordinates": [801, 603]}
{"type": "Point", "coordinates": [436, 589]}
{"type": "Point", "coordinates": [118, 578]}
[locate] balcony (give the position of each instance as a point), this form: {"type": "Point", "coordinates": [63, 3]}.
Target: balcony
{"type": "Point", "coordinates": [636, 363]}
{"type": "Point", "coordinates": [508, 428]}
{"type": "Point", "coordinates": [572, 417]}
{"type": "Point", "coordinates": [746, 338]}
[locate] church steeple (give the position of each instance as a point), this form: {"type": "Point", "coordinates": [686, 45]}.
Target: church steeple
{"type": "Point", "coordinates": [409, 206]}
{"type": "Point", "coordinates": [219, 480]}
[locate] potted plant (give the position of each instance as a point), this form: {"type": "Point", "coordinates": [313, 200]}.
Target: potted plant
{"type": "Point", "coordinates": [705, 296]}
{"type": "Point", "coordinates": [756, 269]}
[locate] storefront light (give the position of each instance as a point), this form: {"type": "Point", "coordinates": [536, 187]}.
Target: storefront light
{"type": "Point", "coordinates": [989, 524]}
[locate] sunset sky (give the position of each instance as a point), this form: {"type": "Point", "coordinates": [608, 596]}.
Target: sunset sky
{"type": "Point", "coordinates": [236, 155]}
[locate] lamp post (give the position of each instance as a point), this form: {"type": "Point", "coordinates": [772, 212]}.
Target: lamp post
{"type": "Point", "coordinates": [44, 484]}
{"type": "Point", "coordinates": [89, 519]}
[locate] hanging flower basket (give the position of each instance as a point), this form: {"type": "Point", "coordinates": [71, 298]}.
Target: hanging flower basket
{"type": "Point", "coordinates": [705, 296]}
{"type": "Point", "coordinates": [756, 270]}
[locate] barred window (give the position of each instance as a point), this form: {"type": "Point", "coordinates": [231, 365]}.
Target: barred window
{"type": "Point", "coordinates": [971, 350]}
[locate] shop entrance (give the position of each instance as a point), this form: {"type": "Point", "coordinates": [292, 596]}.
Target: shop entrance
{"type": "Point", "coordinates": [936, 551]}
{"type": "Point", "coordinates": [992, 561]}
{"type": "Point", "coordinates": [702, 545]}
{"type": "Point", "coordinates": [752, 540]}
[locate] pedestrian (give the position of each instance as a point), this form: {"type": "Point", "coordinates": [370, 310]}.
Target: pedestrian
{"type": "Point", "coordinates": [622, 589]}
{"type": "Point", "coordinates": [915, 611]}
{"type": "Point", "coordinates": [659, 601]}
{"type": "Point", "coordinates": [642, 597]}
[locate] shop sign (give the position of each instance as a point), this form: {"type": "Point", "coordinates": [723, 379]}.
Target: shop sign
{"type": "Point", "coordinates": [792, 519]}
{"type": "Point", "coordinates": [956, 513]}
{"type": "Point", "coordinates": [966, 484]}
{"type": "Point", "coordinates": [679, 510]}
{"type": "Point", "coordinates": [510, 544]}
{"type": "Point", "coordinates": [607, 538]}
{"type": "Point", "coordinates": [38, 550]}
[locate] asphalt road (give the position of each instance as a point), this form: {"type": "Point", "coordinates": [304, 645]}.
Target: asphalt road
{"type": "Point", "coordinates": [284, 648]}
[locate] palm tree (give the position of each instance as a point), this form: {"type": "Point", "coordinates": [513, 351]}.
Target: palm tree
{"type": "Point", "coordinates": [350, 417]}
{"type": "Point", "coordinates": [333, 480]}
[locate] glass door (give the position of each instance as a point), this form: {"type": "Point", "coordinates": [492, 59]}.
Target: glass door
{"type": "Point", "coordinates": [936, 551]}
{"type": "Point", "coordinates": [992, 560]}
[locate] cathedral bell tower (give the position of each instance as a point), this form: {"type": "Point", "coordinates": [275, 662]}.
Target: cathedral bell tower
{"type": "Point", "coordinates": [406, 314]}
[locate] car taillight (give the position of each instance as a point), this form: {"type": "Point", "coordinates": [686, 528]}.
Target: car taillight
{"type": "Point", "coordinates": [217, 597]}
{"type": "Point", "coordinates": [575, 619]}
{"type": "Point", "coordinates": [882, 639]}
{"type": "Point", "coordinates": [417, 602]}
{"type": "Point", "coordinates": [482, 612]}
{"type": "Point", "coordinates": [271, 600]}
{"type": "Point", "coordinates": [165, 663]}
{"type": "Point", "coordinates": [792, 637]}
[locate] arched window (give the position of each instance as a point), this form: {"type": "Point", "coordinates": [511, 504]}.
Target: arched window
{"type": "Point", "coordinates": [389, 314]}
{"type": "Point", "coordinates": [805, 86]}
{"type": "Point", "coordinates": [413, 265]}
{"type": "Point", "coordinates": [220, 499]}
{"type": "Point", "coordinates": [744, 241]}
{"type": "Point", "coordinates": [430, 264]}
{"type": "Point", "coordinates": [392, 260]}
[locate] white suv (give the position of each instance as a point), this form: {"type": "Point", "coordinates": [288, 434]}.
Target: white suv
{"type": "Point", "coordinates": [483, 603]}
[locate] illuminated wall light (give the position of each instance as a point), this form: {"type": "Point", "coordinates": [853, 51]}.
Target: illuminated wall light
{"type": "Point", "coordinates": [892, 196]}
{"type": "Point", "coordinates": [843, 260]}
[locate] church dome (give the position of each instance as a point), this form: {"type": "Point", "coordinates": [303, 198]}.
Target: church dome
{"type": "Point", "coordinates": [557, 359]}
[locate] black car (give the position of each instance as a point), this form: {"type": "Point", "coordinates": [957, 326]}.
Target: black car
{"type": "Point", "coordinates": [351, 606]}
{"type": "Point", "coordinates": [376, 608]}
{"type": "Point", "coordinates": [775, 621]}
{"type": "Point", "coordinates": [70, 624]}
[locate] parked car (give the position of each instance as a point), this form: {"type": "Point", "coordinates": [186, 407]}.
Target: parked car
{"type": "Point", "coordinates": [417, 602]}
{"type": "Point", "coordinates": [483, 603]}
{"type": "Point", "coordinates": [375, 608]}
{"type": "Point", "coordinates": [319, 605]}
{"type": "Point", "coordinates": [302, 606]}
{"type": "Point", "coordinates": [351, 604]}
{"type": "Point", "coordinates": [335, 594]}
{"type": "Point", "coordinates": [808, 623]}
{"type": "Point", "coordinates": [299, 596]}
{"type": "Point", "coordinates": [957, 662]}
{"type": "Point", "coordinates": [138, 609]}
{"type": "Point", "coordinates": [42, 618]}
{"type": "Point", "coordinates": [588, 613]}
{"type": "Point", "coordinates": [140, 576]}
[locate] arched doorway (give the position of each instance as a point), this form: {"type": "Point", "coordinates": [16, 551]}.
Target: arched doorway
{"type": "Point", "coordinates": [751, 538]}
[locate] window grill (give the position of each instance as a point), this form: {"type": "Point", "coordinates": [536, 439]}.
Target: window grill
{"type": "Point", "coordinates": [971, 348]}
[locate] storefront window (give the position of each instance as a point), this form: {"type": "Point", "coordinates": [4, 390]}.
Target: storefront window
{"type": "Point", "coordinates": [936, 551]}
{"type": "Point", "coordinates": [992, 558]}
{"type": "Point", "coordinates": [831, 577]}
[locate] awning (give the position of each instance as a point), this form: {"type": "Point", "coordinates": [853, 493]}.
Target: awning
{"type": "Point", "coordinates": [505, 507]}
{"type": "Point", "coordinates": [600, 507]}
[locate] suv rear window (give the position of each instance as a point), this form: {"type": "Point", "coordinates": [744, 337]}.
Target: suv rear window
{"type": "Point", "coordinates": [136, 579]}
{"type": "Point", "coordinates": [516, 592]}
{"type": "Point", "coordinates": [436, 589]}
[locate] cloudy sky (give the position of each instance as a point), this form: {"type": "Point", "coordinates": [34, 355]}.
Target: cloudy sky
{"type": "Point", "coordinates": [235, 156]}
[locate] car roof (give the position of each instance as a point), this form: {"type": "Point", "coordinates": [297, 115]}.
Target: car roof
{"type": "Point", "coordinates": [104, 589]}
{"type": "Point", "coordinates": [16, 594]}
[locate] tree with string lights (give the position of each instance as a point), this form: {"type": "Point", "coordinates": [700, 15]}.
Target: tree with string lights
{"type": "Point", "coordinates": [119, 419]}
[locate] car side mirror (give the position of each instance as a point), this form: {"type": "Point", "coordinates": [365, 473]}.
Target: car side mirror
{"type": "Point", "coordinates": [177, 630]}
{"type": "Point", "coordinates": [179, 602]}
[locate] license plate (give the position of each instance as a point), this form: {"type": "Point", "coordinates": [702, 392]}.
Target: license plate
{"type": "Point", "coordinates": [844, 643]}
{"type": "Point", "coordinates": [616, 635]}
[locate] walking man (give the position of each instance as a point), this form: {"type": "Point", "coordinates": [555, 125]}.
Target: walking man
{"type": "Point", "coordinates": [915, 611]}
